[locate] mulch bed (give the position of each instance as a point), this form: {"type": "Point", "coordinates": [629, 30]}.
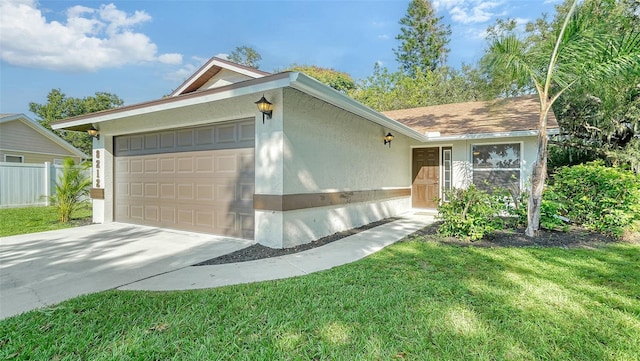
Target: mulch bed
{"type": "Point", "coordinates": [575, 237]}
{"type": "Point", "coordinates": [258, 251]}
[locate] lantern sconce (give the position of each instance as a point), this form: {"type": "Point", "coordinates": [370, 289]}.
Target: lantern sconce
{"type": "Point", "coordinates": [388, 138]}
{"type": "Point", "coordinates": [94, 133]}
{"type": "Point", "coordinates": [265, 107]}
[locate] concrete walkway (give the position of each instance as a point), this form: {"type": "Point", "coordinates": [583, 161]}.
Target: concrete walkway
{"type": "Point", "coordinates": [343, 251]}
{"type": "Point", "coordinates": [42, 269]}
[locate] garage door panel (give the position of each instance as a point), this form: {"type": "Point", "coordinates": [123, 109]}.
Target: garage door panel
{"type": "Point", "coordinates": [150, 166]}
{"type": "Point", "coordinates": [204, 219]}
{"type": "Point", "coordinates": [246, 191]}
{"type": "Point", "coordinates": [204, 164]}
{"type": "Point", "coordinates": [135, 189]}
{"type": "Point", "coordinates": [167, 190]}
{"type": "Point", "coordinates": [207, 191]}
{"type": "Point", "coordinates": [185, 164]}
{"type": "Point", "coordinates": [152, 213]}
{"type": "Point", "coordinates": [167, 165]}
{"type": "Point", "coordinates": [167, 215]}
{"type": "Point", "coordinates": [136, 212]}
{"type": "Point", "coordinates": [136, 166]}
{"type": "Point", "coordinates": [246, 131]}
{"type": "Point", "coordinates": [151, 190]}
{"type": "Point", "coordinates": [122, 166]}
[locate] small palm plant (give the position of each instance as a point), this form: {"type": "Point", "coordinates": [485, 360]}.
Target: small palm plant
{"type": "Point", "coordinates": [72, 187]}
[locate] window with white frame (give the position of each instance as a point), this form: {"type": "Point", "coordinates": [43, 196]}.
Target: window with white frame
{"type": "Point", "coordinates": [13, 158]}
{"type": "Point", "coordinates": [58, 161]}
{"type": "Point", "coordinates": [496, 165]}
{"type": "Point", "coordinates": [447, 166]}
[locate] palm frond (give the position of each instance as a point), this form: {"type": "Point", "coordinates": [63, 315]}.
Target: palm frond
{"type": "Point", "coordinates": [509, 55]}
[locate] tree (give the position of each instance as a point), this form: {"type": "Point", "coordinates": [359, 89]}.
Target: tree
{"type": "Point", "coordinates": [386, 90]}
{"type": "Point", "coordinates": [598, 120]}
{"type": "Point", "coordinates": [585, 51]}
{"type": "Point", "coordinates": [245, 55]}
{"type": "Point", "coordinates": [602, 120]}
{"type": "Point", "coordinates": [59, 106]}
{"type": "Point", "coordinates": [338, 80]}
{"type": "Point", "coordinates": [423, 39]}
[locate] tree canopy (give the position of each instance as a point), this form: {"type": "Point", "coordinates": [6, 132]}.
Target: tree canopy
{"type": "Point", "coordinates": [246, 55]}
{"type": "Point", "coordinates": [59, 106]}
{"type": "Point", "coordinates": [385, 90]}
{"type": "Point", "coordinates": [338, 80]}
{"type": "Point", "coordinates": [423, 39]}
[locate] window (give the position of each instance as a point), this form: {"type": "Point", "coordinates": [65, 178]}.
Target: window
{"type": "Point", "coordinates": [446, 170]}
{"type": "Point", "coordinates": [496, 165]}
{"type": "Point", "coordinates": [13, 158]}
{"type": "Point", "coordinates": [57, 161]}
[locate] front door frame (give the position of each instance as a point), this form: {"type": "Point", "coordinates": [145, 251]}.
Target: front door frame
{"type": "Point", "coordinates": [440, 172]}
{"type": "Point", "coordinates": [425, 175]}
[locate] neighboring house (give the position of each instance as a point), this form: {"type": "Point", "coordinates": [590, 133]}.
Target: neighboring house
{"type": "Point", "coordinates": [205, 159]}
{"type": "Point", "coordinates": [23, 140]}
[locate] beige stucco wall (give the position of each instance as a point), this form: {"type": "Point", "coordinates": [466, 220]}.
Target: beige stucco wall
{"type": "Point", "coordinates": [327, 149]}
{"type": "Point", "coordinates": [313, 147]}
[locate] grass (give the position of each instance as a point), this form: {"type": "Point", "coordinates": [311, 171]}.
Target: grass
{"type": "Point", "coordinates": [37, 219]}
{"type": "Point", "coordinates": [414, 300]}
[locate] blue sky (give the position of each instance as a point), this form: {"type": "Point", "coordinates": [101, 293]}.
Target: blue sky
{"type": "Point", "coordinates": [141, 50]}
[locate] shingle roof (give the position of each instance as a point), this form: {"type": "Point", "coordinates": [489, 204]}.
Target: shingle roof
{"type": "Point", "coordinates": [497, 116]}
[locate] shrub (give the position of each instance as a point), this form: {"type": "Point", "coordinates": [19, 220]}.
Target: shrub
{"type": "Point", "coordinates": [550, 211]}
{"type": "Point", "coordinates": [603, 199]}
{"type": "Point", "coordinates": [71, 188]}
{"type": "Point", "coordinates": [471, 213]}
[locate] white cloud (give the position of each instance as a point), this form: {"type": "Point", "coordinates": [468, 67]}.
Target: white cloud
{"type": "Point", "coordinates": [469, 11]}
{"type": "Point", "coordinates": [188, 69]}
{"type": "Point", "coordinates": [89, 39]}
{"type": "Point", "coordinates": [172, 58]}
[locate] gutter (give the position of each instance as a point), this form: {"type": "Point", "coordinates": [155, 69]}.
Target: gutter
{"type": "Point", "coordinates": [518, 133]}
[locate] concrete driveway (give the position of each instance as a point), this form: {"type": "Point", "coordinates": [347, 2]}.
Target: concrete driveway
{"type": "Point", "coordinates": [42, 269]}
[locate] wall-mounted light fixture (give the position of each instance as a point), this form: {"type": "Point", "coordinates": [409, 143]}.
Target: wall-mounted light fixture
{"type": "Point", "coordinates": [94, 133]}
{"type": "Point", "coordinates": [264, 107]}
{"type": "Point", "coordinates": [388, 138]}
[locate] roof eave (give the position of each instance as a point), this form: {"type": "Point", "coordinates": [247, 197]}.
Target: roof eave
{"type": "Point", "coordinates": [478, 136]}
{"type": "Point", "coordinates": [205, 96]}
{"type": "Point", "coordinates": [221, 63]}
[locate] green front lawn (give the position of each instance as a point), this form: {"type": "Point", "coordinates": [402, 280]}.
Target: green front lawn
{"type": "Point", "coordinates": [38, 219]}
{"type": "Point", "coordinates": [412, 301]}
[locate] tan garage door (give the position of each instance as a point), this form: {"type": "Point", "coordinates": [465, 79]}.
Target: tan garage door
{"type": "Point", "coordinates": [197, 179]}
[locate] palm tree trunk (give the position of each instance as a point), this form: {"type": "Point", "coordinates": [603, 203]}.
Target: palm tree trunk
{"type": "Point", "coordinates": [539, 175]}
